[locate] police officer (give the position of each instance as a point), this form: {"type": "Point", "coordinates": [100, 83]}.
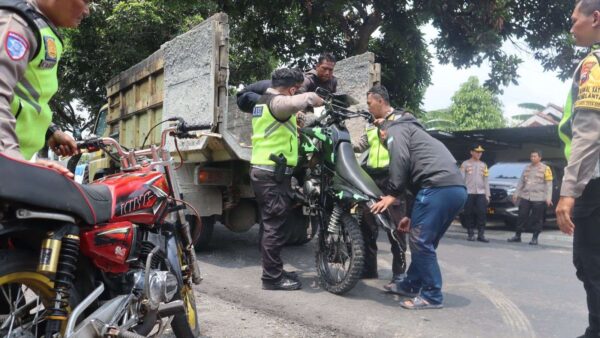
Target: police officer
{"type": "Point", "coordinates": [274, 156]}
{"type": "Point", "coordinates": [475, 173]}
{"type": "Point", "coordinates": [578, 210]}
{"type": "Point", "coordinates": [378, 101]}
{"type": "Point", "coordinates": [29, 59]}
{"type": "Point", "coordinates": [533, 194]}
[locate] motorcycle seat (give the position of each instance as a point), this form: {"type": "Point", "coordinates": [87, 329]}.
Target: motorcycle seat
{"type": "Point", "coordinates": [45, 188]}
{"type": "Point", "coordinates": [348, 168]}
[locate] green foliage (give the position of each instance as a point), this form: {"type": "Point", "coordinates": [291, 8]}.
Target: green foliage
{"type": "Point", "coordinates": [267, 34]}
{"type": "Point", "coordinates": [440, 119]}
{"type": "Point", "coordinates": [476, 107]}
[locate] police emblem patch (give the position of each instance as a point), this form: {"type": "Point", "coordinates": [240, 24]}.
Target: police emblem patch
{"type": "Point", "coordinates": [586, 69]}
{"type": "Point", "coordinates": [51, 53]}
{"type": "Point", "coordinates": [257, 111]}
{"type": "Point", "coordinates": [16, 46]}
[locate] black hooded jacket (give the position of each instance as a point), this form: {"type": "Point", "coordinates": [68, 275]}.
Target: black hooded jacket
{"type": "Point", "coordinates": [417, 160]}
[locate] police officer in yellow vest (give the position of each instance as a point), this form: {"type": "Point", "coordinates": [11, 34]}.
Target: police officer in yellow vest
{"type": "Point", "coordinates": [475, 173]}
{"type": "Point", "coordinates": [533, 194]}
{"type": "Point", "coordinates": [274, 156]}
{"type": "Point", "coordinates": [378, 101]}
{"type": "Point", "coordinates": [29, 60]}
{"type": "Point", "coordinates": [578, 210]}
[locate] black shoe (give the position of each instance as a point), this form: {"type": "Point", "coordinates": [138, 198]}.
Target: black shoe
{"type": "Point", "coordinates": [285, 284]}
{"type": "Point", "coordinates": [290, 274]}
{"type": "Point", "coordinates": [515, 239]}
{"type": "Point", "coordinates": [369, 275]}
{"type": "Point", "coordinates": [534, 241]}
{"type": "Point", "coordinates": [471, 238]}
{"type": "Point", "coordinates": [483, 239]}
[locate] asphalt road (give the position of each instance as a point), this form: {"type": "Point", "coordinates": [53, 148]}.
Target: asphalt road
{"type": "Point", "coordinates": [497, 289]}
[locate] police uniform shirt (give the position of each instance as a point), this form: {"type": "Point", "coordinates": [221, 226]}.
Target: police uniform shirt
{"type": "Point", "coordinates": [535, 183]}
{"type": "Point", "coordinates": [476, 177]}
{"type": "Point", "coordinates": [14, 32]}
{"type": "Point", "coordinates": [583, 163]}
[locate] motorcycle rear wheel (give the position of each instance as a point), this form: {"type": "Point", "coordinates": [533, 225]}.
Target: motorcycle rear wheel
{"type": "Point", "coordinates": [21, 284]}
{"type": "Point", "coordinates": [340, 261]}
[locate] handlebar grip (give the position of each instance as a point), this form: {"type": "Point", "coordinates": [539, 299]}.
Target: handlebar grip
{"type": "Point", "coordinates": [193, 127]}
{"type": "Point", "coordinates": [89, 145]}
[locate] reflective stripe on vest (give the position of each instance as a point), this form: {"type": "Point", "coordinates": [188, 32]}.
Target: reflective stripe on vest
{"type": "Point", "coordinates": [270, 136]}
{"type": "Point", "coordinates": [379, 157]}
{"type": "Point", "coordinates": [33, 93]}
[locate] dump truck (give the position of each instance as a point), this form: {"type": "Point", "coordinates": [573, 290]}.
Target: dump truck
{"type": "Point", "coordinates": [188, 78]}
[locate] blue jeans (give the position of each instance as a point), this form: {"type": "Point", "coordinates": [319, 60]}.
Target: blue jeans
{"type": "Point", "coordinates": [433, 212]}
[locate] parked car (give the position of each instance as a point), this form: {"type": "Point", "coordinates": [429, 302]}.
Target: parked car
{"type": "Point", "coordinates": [503, 179]}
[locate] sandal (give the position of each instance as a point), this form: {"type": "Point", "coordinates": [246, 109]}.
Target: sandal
{"type": "Point", "coordinates": [419, 303]}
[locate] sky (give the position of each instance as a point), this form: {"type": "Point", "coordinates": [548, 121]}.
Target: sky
{"type": "Point", "coordinates": [535, 85]}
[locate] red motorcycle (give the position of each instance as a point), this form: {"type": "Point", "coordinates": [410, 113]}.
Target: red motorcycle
{"type": "Point", "coordinates": [114, 258]}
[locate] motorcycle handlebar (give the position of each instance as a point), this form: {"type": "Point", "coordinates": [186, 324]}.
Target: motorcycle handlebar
{"type": "Point", "coordinates": [193, 127]}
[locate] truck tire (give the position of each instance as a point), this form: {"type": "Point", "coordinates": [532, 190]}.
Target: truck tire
{"type": "Point", "coordinates": [203, 238]}
{"type": "Point", "coordinates": [298, 228]}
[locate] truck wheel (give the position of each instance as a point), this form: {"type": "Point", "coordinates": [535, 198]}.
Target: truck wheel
{"type": "Point", "coordinates": [298, 228]}
{"type": "Point", "coordinates": [202, 238]}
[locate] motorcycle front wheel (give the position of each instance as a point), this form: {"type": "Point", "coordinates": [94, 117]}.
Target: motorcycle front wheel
{"type": "Point", "coordinates": [340, 257]}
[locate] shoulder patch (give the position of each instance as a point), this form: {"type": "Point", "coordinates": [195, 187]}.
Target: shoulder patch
{"type": "Point", "coordinates": [257, 111]}
{"type": "Point", "coordinates": [548, 174]}
{"type": "Point", "coordinates": [16, 46]}
{"type": "Point", "coordinates": [586, 69]}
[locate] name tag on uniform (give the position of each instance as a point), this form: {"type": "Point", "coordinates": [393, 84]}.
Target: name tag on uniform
{"type": "Point", "coordinates": [257, 111]}
{"type": "Point", "coordinates": [51, 55]}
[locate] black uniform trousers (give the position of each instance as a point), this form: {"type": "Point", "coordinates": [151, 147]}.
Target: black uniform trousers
{"type": "Point", "coordinates": [586, 251]}
{"type": "Point", "coordinates": [274, 202]}
{"type": "Point", "coordinates": [531, 214]}
{"type": "Point", "coordinates": [474, 214]}
{"type": "Point", "coordinates": [370, 231]}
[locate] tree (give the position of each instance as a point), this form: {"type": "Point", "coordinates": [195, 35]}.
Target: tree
{"type": "Point", "coordinates": [266, 34]}
{"type": "Point", "coordinates": [476, 107]}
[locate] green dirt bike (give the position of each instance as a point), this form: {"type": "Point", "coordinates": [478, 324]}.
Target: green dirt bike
{"type": "Point", "coordinates": [335, 185]}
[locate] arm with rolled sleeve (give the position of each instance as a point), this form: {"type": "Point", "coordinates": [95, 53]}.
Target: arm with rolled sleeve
{"type": "Point", "coordinates": [585, 153]}
{"type": "Point", "coordinates": [283, 106]}
{"type": "Point", "coordinates": [398, 138]}
{"type": "Point", "coordinates": [11, 72]}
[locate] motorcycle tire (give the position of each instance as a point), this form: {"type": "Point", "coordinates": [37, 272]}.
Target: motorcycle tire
{"type": "Point", "coordinates": [20, 268]}
{"type": "Point", "coordinates": [351, 231]}
{"type": "Point", "coordinates": [186, 325]}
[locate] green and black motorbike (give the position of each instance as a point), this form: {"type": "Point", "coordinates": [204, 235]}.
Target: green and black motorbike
{"type": "Point", "coordinates": [335, 185]}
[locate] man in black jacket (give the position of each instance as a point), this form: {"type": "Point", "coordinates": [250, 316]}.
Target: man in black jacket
{"type": "Point", "coordinates": [422, 164]}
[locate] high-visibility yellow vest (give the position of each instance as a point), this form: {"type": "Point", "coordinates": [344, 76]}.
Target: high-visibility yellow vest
{"type": "Point", "coordinates": [271, 136]}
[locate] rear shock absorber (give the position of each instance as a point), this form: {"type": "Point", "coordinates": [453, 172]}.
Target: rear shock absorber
{"type": "Point", "coordinates": [65, 274]}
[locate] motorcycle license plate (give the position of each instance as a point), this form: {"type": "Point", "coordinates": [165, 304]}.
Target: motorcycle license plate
{"type": "Point", "coordinates": [491, 211]}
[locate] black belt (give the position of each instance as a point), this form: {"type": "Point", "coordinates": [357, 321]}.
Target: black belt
{"type": "Point", "coordinates": [271, 168]}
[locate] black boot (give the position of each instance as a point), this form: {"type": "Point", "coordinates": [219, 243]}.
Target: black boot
{"type": "Point", "coordinates": [516, 238]}
{"type": "Point", "coordinates": [471, 234]}
{"type": "Point", "coordinates": [534, 239]}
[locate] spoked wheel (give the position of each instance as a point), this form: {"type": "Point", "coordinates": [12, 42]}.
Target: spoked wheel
{"type": "Point", "coordinates": [340, 257]}
{"type": "Point", "coordinates": [24, 296]}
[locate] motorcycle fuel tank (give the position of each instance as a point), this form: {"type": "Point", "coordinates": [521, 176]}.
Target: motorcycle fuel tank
{"type": "Point", "coordinates": [139, 197]}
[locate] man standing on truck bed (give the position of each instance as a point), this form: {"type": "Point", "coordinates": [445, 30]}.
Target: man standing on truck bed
{"type": "Point", "coordinates": [476, 173]}
{"type": "Point", "coordinates": [274, 156]}
{"type": "Point", "coordinates": [321, 76]}
{"type": "Point", "coordinates": [533, 194]}
{"type": "Point", "coordinates": [28, 74]}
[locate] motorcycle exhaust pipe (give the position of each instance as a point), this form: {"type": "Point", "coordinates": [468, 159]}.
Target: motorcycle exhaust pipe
{"type": "Point", "coordinates": [170, 309]}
